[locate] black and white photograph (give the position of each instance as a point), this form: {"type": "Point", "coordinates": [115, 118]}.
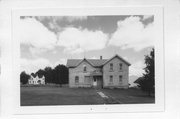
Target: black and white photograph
{"type": "Point", "coordinates": [87, 60]}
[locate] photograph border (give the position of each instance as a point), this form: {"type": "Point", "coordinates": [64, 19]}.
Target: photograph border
{"type": "Point", "coordinates": [159, 105]}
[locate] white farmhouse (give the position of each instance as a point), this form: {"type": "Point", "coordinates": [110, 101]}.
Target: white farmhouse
{"type": "Point", "coordinates": [36, 80]}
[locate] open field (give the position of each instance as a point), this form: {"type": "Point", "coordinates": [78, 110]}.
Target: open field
{"type": "Point", "coordinates": [34, 96]}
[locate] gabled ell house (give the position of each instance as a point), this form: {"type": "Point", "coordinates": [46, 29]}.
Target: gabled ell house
{"type": "Point", "coordinates": [100, 73]}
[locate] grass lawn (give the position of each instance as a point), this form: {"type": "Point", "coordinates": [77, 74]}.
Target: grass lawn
{"type": "Point", "coordinates": [129, 96]}
{"type": "Point", "coordinates": [34, 96]}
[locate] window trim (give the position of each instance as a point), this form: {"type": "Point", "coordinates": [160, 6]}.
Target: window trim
{"type": "Point", "coordinates": [111, 67]}
{"type": "Point", "coordinates": [84, 68]}
{"type": "Point", "coordinates": [111, 79]}
{"type": "Point", "coordinates": [121, 79]}
{"type": "Point", "coordinates": [76, 80]}
{"type": "Point", "coordinates": [120, 66]}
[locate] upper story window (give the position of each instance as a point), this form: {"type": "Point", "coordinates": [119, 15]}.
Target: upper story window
{"type": "Point", "coordinates": [111, 79]}
{"type": "Point", "coordinates": [84, 68]}
{"type": "Point", "coordinates": [111, 66]}
{"type": "Point", "coordinates": [76, 79]}
{"type": "Point", "coordinates": [120, 66]}
{"type": "Point", "coordinates": [120, 79]}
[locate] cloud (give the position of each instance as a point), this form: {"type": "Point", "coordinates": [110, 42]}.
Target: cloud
{"type": "Point", "coordinates": [75, 18]}
{"type": "Point", "coordinates": [145, 17]}
{"type": "Point", "coordinates": [126, 58]}
{"type": "Point", "coordinates": [94, 57]}
{"type": "Point", "coordinates": [60, 61]}
{"type": "Point", "coordinates": [37, 51]}
{"type": "Point", "coordinates": [79, 40]}
{"type": "Point", "coordinates": [33, 33]}
{"type": "Point", "coordinates": [60, 18]}
{"type": "Point", "coordinates": [34, 65]}
{"type": "Point", "coordinates": [55, 23]}
{"type": "Point", "coordinates": [132, 79]}
{"type": "Point", "coordinates": [131, 33]}
{"type": "Point", "coordinates": [136, 69]}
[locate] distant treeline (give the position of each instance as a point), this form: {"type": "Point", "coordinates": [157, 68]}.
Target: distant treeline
{"type": "Point", "coordinates": [57, 75]}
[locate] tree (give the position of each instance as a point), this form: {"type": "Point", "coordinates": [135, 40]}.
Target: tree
{"type": "Point", "coordinates": [24, 77]}
{"type": "Point", "coordinates": [65, 74]}
{"type": "Point", "coordinates": [147, 81]}
{"type": "Point", "coordinates": [61, 74]}
{"type": "Point", "coordinates": [58, 75]}
{"type": "Point", "coordinates": [48, 72]}
{"type": "Point", "coordinates": [33, 74]}
{"type": "Point", "coordinates": [40, 73]}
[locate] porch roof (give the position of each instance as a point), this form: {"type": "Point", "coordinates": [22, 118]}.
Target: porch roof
{"type": "Point", "coordinates": [96, 73]}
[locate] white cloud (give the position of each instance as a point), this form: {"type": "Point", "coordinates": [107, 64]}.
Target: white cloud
{"type": "Point", "coordinates": [126, 58]}
{"type": "Point", "coordinates": [137, 69]}
{"type": "Point", "coordinates": [53, 20]}
{"type": "Point", "coordinates": [52, 26]}
{"type": "Point", "coordinates": [33, 33]}
{"type": "Point", "coordinates": [75, 18]}
{"type": "Point", "coordinates": [77, 40]}
{"type": "Point", "coordinates": [31, 66]}
{"type": "Point", "coordinates": [37, 51]}
{"type": "Point", "coordinates": [131, 33]}
{"type": "Point", "coordinates": [131, 81]}
{"type": "Point", "coordinates": [147, 17]}
{"type": "Point", "coordinates": [60, 61]}
{"type": "Point", "coordinates": [94, 57]}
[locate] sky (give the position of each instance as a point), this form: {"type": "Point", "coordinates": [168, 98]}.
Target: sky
{"type": "Point", "coordinates": [51, 40]}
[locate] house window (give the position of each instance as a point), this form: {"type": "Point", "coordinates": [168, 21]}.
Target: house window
{"type": "Point", "coordinates": [120, 79]}
{"type": "Point", "coordinates": [111, 66]}
{"type": "Point", "coordinates": [111, 79]}
{"type": "Point", "coordinates": [76, 79]}
{"type": "Point", "coordinates": [120, 66]}
{"type": "Point", "coordinates": [84, 68]}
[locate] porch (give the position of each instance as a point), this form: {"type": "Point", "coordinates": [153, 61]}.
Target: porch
{"type": "Point", "coordinates": [97, 79]}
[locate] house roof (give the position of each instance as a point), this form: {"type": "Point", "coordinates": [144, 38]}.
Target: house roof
{"type": "Point", "coordinates": [93, 62]}
{"type": "Point", "coordinates": [36, 75]}
{"type": "Point", "coordinates": [119, 58]}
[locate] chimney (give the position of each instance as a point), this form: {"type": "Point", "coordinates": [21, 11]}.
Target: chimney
{"type": "Point", "coordinates": [100, 57]}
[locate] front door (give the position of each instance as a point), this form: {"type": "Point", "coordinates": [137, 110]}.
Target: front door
{"type": "Point", "coordinates": [97, 82]}
{"type": "Point", "coordinates": [94, 82]}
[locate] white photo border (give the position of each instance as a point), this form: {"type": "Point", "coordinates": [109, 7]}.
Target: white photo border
{"type": "Point", "coordinates": [159, 105]}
